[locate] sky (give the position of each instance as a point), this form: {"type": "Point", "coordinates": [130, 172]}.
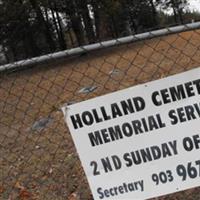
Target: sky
{"type": "Point", "coordinates": [194, 5]}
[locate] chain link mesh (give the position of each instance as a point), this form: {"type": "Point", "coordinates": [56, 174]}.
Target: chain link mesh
{"type": "Point", "coordinates": [38, 159]}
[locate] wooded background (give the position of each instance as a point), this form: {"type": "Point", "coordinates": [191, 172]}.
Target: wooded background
{"type": "Point", "coordinates": [30, 28]}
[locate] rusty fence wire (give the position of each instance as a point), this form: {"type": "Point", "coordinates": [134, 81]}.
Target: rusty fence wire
{"type": "Point", "coordinates": [38, 160]}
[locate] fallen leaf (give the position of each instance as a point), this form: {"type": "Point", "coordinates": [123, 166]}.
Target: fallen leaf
{"type": "Point", "coordinates": [24, 195]}
{"type": "Point", "coordinates": [13, 196]}
{"type": "Point", "coordinates": [19, 186]}
{"type": "Point", "coordinates": [50, 171]}
{"type": "Point", "coordinates": [1, 189]}
{"type": "Point", "coordinates": [73, 196]}
{"type": "Point", "coordinates": [37, 147]}
{"type": "Point", "coordinates": [10, 197]}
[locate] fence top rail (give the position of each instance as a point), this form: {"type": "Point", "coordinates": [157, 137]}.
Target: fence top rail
{"type": "Point", "coordinates": [92, 47]}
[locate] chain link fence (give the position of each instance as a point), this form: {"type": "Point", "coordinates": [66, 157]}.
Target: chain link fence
{"type": "Point", "coordinates": [38, 160]}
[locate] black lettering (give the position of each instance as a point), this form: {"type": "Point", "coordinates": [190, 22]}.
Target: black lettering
{"type": "Point", "coordinates": [188, 144]}
{"type": "Point", "coordinates": [189, 89]}
{"type": "Point", "coordinates": [125, 187]}
{"type": "Point", "coordinates": [105, 135]}
{"type": "Point", "coordinates": [105, 116]}
{"type": "Point", "coordinates": [165, 96]}
{"type": "Point", "coordinates": [144, 123]}
{"type": "Point", "coordinates": [196, 139]}
{"type": "Point", "coordinates": [177, 93]}
{"type": "Point", "coordinates": [189, 110]}
{"type": "Point", "coordinates": [166, 150]}
{"type": "Point", "coordinates": [112, 192]}
{"type": "Point", "coordinates": [139, 103]}
{"type": "Point", "coordinates": [116, 112]}
{"type": "Point", "coordinates": [137, 127]}
{"type": "Point", "coordinates": [96, 116]}
{"type": "Point", "coordinates": [127, 106]}
{"type": "Point", "coordinates": [115, 188]}
{"type": "Point", "coordinates": [87, 118]}
{"type": "Point", "coordinates": [121, 190]}
{"type": "Point", "coordinates": [131, 187]}
{"type": "Point", "coordinates": [181, 114]}
{"type": "Point", "coordinates": [76, 121]}
{"type": "Point", "coordinates": [127, 129]}
{"type": "Point", "coordinates": [106, 164]}
{"type": "Point", "coordinates": [127, 159]}
{"type": "Point", "coordinates": [152, 123]}
{"type": "Point", "coordinates": [95, 138]}
{"type": "Point", "coordinates": [197, 108]}
{"type": "Point", "coordinates": [106, 193]}
{"type": "Point", "coordinates": [146, 155]}
{"type": "Point", "coordinates": [160, 123]}
{"type": "Point", "coordinates": [172, 115]}
{"type": "Point", "coordinates": [117, 162]}
{"type": "Point", "coordinates": [95, 171]}
{"type": "Point", "coordinates": [115, 133]}
{"type": "Point", "coordinates": [197, 84]}
{"type": "Point", "coordinates": [156, 153]}
{"type": "Point", "coordinates": [101, 194]}
{"type": "Point", "coordinates": [155, 100]}
{"type": "Point", "coordinates": [136, 158]}
{"type": "Point", "coordinates": [173, 145]}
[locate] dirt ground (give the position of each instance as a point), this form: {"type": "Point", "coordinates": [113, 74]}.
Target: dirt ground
{"type": "Point", "coordinates": [38, 160]}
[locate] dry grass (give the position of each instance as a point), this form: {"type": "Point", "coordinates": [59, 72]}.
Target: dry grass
{"type": "Point", "coordinates": [43, 164]}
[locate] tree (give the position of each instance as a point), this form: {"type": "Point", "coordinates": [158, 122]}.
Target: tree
{"type": "Point", "coordinates": [29, 28]}
{"type": "Point", "coordinates": [142, 14]}
{"type": "Point", "coordinates": [154, 11]}
{"type": "Point", "coordinates": [97, 19]}
{"type": "Point", "coordinates": [83, 7]}
{"type": "Point", "coordinates": [114, 17]}
{"type": "Point", "coordinates": [42, 23]}
{"type": "Point", "coordinates": [52, 6]}
{"type": "Point", "coordinates": [178, 8]}
{"type": "Point", "coordinates": [16, 33]}
{"type": "Point", "coordinates": [72, 11]}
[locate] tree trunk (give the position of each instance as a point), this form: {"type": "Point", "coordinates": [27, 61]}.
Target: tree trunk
{"type": "Point", "coordinates": [76, 22]}
{"type": "Point", "coordinates": [43, 23]}
{"type": "Point", "coordinates": [174, 11]}
{"type": "Point", "coordinates": [180, 15]}
{"type": "Point", "coordinates": [114, 25]}
{"type": "Point", "coordinates": [87, 22]}
{"type": "Point", "coordinates": [78, 29]}
{"type": "Point", "coordinates": [29, 42]}
{"type": "Point", "coordinates": [56, 21]}
{"type": "Point", "coordinates": [35, 51]}
{"type": "Point", "coordinates": [63, 43]}
{"type": "Point", "coordinates": [131, 16]}
{"type": "Point", "coordinates": [5, 54]}
{"type": "Point", "coordinates": [12, 54]}
{"type": "Point", "coordinates": [71, 38]}
{"type": "Point", "coordinates": [154, 12]}
{"type": "Point", "coordinates": [46, 15]}
{"type": "Point", "coordinates": [96, 18]}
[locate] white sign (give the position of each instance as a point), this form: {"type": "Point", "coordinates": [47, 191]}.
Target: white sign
{"type": "Point", "coordinates": [141, 142]}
